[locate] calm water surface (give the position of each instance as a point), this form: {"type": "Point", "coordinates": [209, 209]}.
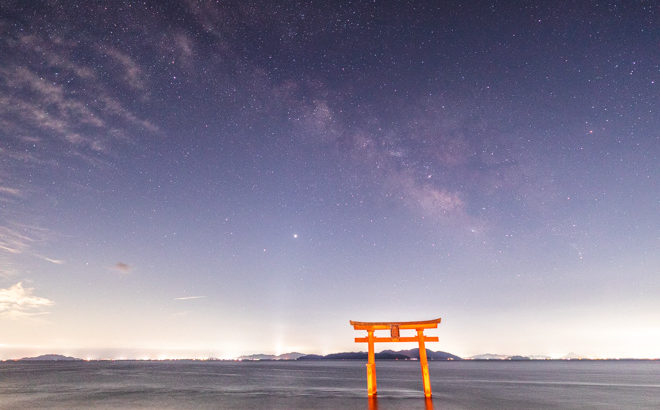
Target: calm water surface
{"type": "Point", "coordinates": [330, 385]}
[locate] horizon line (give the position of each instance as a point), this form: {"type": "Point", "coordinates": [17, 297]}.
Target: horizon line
{"type": "Point", "coordinates": [276, 357]}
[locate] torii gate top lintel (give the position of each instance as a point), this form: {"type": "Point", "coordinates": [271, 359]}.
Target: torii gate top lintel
{"type": "Point", "coordinates": [421, 324]}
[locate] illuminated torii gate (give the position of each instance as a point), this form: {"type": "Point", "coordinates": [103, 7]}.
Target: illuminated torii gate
{"type": "Point", "coordinates": [394, 328]}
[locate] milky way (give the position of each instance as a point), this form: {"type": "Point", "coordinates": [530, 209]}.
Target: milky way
{"type": "Point", "coordinates": [204, 179]}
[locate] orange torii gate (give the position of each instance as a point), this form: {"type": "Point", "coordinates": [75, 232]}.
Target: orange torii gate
{"type": "Point", "coordinates": [394, 328]}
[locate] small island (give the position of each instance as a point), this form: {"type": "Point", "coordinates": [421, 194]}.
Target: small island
{"type": "Point", "coordinates": [50, 358]}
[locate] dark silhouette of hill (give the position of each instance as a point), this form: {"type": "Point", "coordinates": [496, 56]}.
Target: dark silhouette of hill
{"type": "Point", "coordinates": [50, 358]}
{"type": "Point", "coordinates": [285, 356]}
{"type": "Point", "coordinates": [384, 355]}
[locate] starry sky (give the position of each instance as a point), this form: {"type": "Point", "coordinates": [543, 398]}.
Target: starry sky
{"type": "Point", "coordinates": [211, 179]}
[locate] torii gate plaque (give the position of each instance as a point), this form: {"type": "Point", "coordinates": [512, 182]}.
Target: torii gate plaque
{"type": "Point", "coordinates": [394, 328]}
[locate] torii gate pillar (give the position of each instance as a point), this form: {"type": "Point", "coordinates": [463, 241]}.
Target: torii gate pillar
{"type": "Point", "coordinates": [394, 328]}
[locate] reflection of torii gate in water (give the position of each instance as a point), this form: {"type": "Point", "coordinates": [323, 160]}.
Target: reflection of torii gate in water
{"type": "Point", "coordinates": [394, 328]}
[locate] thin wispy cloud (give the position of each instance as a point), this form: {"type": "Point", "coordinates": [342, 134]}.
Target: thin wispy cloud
{"type": "Point", "coordinates": [17, 239]}
{"type": "Point", "coordinates": [21, 238]}
{"type": "Point", "coordinates": [9, 191]}
{"type": "Point", "coordinates": [13, 241]}
{"type": "Point", "coordinates": [18, 301]}
{"type": "Point", "coordinates": [56, 54]}
{"type": "Point", "coordinates": [51, 260]}
{"type": "Point", "coordinates": [132, 71]}
{"type": "Point", "coordinates": [189, 297]}
{"type": "Point", "coordinates": [56, 103]}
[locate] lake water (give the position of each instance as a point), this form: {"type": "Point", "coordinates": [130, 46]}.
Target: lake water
{"type": "Point", "coordinates": [330, 385]}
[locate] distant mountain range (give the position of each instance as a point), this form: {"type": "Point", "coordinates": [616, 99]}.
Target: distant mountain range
{"type": "Point", "coordinates": [284, 356]}
{"type": "Point", "coordinates": [490, 356]}
{"type": "Point", "coordinates": [50, 358]}
{"type": "Point", "coordinates": [410, 354]}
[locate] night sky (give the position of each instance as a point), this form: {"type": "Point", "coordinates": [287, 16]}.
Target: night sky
{"type": "Point", "coordinates": [196, 179]}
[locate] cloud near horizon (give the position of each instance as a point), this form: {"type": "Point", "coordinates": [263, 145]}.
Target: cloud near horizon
{"type": "Point", "coordinates": [17, 301]}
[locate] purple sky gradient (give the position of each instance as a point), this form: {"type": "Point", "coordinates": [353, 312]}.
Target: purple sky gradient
{"type": "Point", "coordinates": [207, 179]}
